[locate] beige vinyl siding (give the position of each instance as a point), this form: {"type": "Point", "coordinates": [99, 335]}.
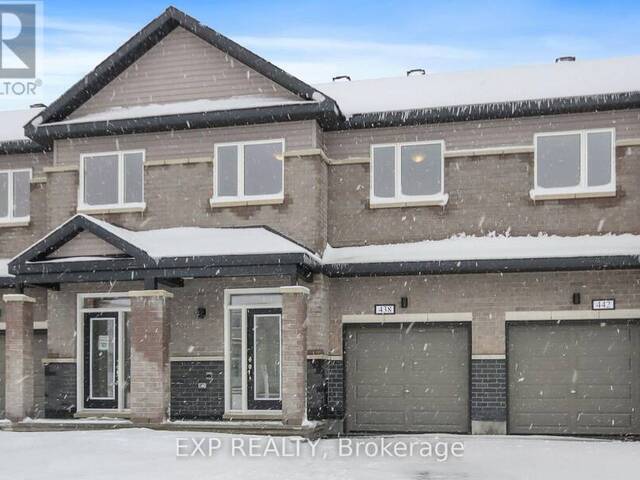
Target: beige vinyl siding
{"type": "Point", "coordinates": [85, 245]}
{"type": "Point", "coordinates": [480, 134]}
{"type": "Point", "coordinates": [179, 68]}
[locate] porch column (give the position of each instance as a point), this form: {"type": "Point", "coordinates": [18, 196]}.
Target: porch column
{"type": "Point", "coordinates": [18, 356]}
{"type": "Point", "coordinates": [150, 383]}
{"type": "Point", "coordinates": [294, 354]}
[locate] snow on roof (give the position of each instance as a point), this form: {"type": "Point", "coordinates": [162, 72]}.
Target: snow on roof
{"type": "Point", "coordinates": [176, 108]}
{"type": "Point", "coordinates": [562, 79]}
{"type": "Point", "coordinates": [491, 247]}
{"type": "Point", "coordinates": [12, 123]}
{"type": "Point", "coordinates": [197, 241]}
{"type": "Point", "coordinates": [4, 267]}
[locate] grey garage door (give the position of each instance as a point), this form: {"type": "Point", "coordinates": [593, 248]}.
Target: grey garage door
{"type": "Point", "coordinates": [407, 378]}
{"type": "Point", "coordinates": [573, 378]}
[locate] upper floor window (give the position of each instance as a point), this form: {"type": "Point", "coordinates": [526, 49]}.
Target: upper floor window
{"type": "Point", "coordinates": [15, 189]}
{"type": "Point", "coordinates": [249, 171]}
{"type": "Point", "coordinates": [408, 174]}
{"type": "Point", "coordinates": [574, 164]}
{"type": "Point", "coordinates": [112, 180]}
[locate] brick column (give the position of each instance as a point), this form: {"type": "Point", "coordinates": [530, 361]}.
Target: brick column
{"type": "Point", "coordinates": [294, 354]}
{"type": "Point", "coordinates": [18, 356]}
{"type": "Point", "coordinates": [150, 372]}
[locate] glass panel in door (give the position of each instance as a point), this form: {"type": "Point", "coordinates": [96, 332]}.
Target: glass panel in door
{"type": "Point", "coordinates": [101, 360]}
{"type": "Point", "coordinates": [264, 359]}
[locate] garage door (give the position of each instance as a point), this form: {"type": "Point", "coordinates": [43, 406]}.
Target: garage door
{"type": "Point", "coordinates": [573, 378]}
{"type": "Point", "coordinates": [407, 378]}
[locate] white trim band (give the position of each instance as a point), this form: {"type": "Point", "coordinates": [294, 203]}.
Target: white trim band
{"type": "Point", "coordinates": [17, 297]}
{"type": "Point", "coordinates": [483, 356]}
{"type": "Point", "coordinates": [533, 315]}
{"type": "Point", "coordinates": [295, 289]}
{"type": "Point", "coordinates": [409, 317]}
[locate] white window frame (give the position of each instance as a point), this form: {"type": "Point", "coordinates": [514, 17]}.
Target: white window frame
{"type": "Point", "coordinates": [241, 198]}
{"type": "Point", "coordinates": [10, 219]}
{"type": "Point", "coordinates": [582, 190]}
{"type": "Point", "coordinates": [228, 293]}
{"type": "Point", "coordinates": [121, 183]}
{"type": "Point", "coordinates": [399, 199]}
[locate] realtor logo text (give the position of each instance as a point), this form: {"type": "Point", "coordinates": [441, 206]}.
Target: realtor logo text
{"type": "Point", "coordinates": [297, 447]}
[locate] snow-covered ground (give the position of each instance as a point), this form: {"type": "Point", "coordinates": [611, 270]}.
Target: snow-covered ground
{"type": "Point", "coordinates": [138, 453]}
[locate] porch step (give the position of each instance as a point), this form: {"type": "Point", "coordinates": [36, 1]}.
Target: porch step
{"type": "Point", "coordinates": [272, 428]}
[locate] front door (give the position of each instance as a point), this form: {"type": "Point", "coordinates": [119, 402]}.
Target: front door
{"type": "Point", "coordinates": [264, 352]}
{"type": "Point", "coordinates": [101, 360]}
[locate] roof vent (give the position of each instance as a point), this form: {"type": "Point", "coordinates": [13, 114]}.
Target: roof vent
{"type": "Point", "coordinates": [341, 77]}
{"type": "Point", "coordinates": [416, 71]}
{"type": "Point", "coordinates": [565, 59]}
{"type": "Point", "coordinates": [37, 105]}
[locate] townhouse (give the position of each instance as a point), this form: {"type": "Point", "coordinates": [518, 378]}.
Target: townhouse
{"type": "Point", "coordinates": [191, 233]}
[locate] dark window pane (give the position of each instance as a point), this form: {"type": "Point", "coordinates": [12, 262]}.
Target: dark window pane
{"type": "Point", "coordinates": [384, 172]}
{"type": "Point", "coordinates": [133, 177]}
{"type": "Point", "coordinates": [101, 180]}
{"type": "Point", "coordinates": [227, 164]}
{"type": "Point", "coordinates": [4, 194]}
{"type": "Point", "coordinates": [263, 169]}
{"type": "Point", "coordinates": [421, 170]}
{"type": "Point", "coordinates": [598, 158]}
{"type": "Point", "coordinates": [558, 158]}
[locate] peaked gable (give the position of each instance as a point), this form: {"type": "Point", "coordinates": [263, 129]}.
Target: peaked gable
{"type": "Point", "coordinates": [100, 237]}
{"type": "Point", "coordinates": [182, 67]}
{"type": "Point", "coordinates": [86, 244]}
{"type": "Point", "coordinates": [144, 41]}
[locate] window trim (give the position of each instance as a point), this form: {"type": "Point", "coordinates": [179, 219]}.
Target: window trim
{"type": "Point", "coordinates": [121, 204]}
{"type": "Point", "coordinates": [10, 219]}
{"type": "Point", "coordinates": [582, 190]}
{"type": "Point", "coordinates": [399, 199]}
{"type": "Point", "coordinates": [240, 199]}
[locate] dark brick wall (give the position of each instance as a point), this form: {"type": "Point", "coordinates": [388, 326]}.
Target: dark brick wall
{"type": "Point", "coordinates": [60, 390]}
{"type": "Point", "coordinates": [335, 388]}
{"type": "Point", "coordinates": [188, 400]}
{"type": "Point", "coordinates": [316, 390]}
{"type": "Point", "coordinates": [489, 390]}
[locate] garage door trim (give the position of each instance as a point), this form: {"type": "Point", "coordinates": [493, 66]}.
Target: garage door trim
{"type": "Point", "coordinates": [572, 321]}
{"type": "Point", "coordinates": [463, 323]}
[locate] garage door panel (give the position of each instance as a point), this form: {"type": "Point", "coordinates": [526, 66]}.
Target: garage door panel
{"type": "Point", "coordinates": [428, 390]}
{"type": "Point", "coordinates": [617, 392]}
{"type": "Point", "coordinates": [529, 421]}
{"type": "Point", "coordinates": [365, 392]}
{"type": "Point", "coordinates": [595, 420]}
{"type": "Point", "coordinates": [591, 388]}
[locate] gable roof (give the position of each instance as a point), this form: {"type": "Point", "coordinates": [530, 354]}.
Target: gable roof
{"type": "Point", "coordinates": [317, 105]}
{"type": "Point", "coordinates": [562, 87]}
{"type": "Point", "coordinates": [12, 135]}
{"type": "Point", "coordinates": [161, 248]}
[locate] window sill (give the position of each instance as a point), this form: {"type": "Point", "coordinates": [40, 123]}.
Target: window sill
{"type": "Point", "coordinates": [253, 415]}
{"type": "Point", "coordinates": [537, 195]}
{"type": "Point", "coordinates": [23, 222]}
{"type": "Point", "coordinates": [218, 203]}
{"type": "Point", "coordinates": [437, 201]}
{"type": "Point", "coordinates": [133, 208]}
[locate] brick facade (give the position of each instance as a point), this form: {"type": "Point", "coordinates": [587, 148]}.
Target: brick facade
{"type": "Point", "coordinates": [197, 390]}
{"type": "Point", "coordinates": [489, 389]}
{"type": "Point", "coordinates": [60, 390]}
{"type": "Point", "coordinates": [19, 378]}
{"type": "Point", "coordinates": [294, 354]}
{"type": "Point", "coordinates": [150, 374]}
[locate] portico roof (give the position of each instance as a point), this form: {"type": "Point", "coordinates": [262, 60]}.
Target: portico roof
{"type": "Point", "coordinates": [161, 254]}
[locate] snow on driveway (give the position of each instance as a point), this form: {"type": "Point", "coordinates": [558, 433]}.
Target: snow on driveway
{"type": "Point", "coordinates": [140, 454]}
